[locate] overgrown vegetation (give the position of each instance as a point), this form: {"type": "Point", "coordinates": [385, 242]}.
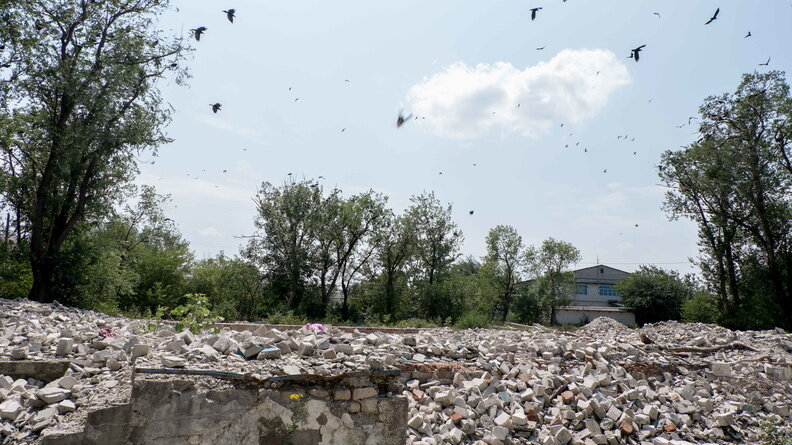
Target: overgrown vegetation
{"type": "Point", "coordinates": [79, 104]}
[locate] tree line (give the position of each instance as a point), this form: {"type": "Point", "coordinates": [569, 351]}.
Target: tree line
{"type": "Point", "coordinates": [80, 105]}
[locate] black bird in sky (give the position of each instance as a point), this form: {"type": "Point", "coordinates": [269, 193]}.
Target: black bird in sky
{"type": "Point", "coordinates": [471, 212]}
{"type": "Point", "coordinates": [198, 31]}
{"type": "Point", "coordinates": [747, 35]}
{"type": "Point", "coordinates": [766, 63]}
{"type": "Point", "coordinates": [342, 130]}
{"type": "Point", "coordinates": [401, 119]}
{"type": "Point", "coordinates": [657, 14]}
{"type": "Point", "coordinates": [215, 107]}
{"type": "Point", "coordinates": [585, 150]}
{"type": "Point", "coordinates": [691, 118]}
{"type": "Point", "coordinates": [230, 15]}
{"type": "Point", "coordinates": [635, 53]}
{"type": "Point", "coordinates": [540, 48]}
{"type": "Point", "coordinates": [533, 13]}
{"type": "Point", "coordinates": [714, 17]}
{"type": "Point", "coordinates": [605, 171]}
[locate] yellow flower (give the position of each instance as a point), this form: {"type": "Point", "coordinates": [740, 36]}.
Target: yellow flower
{"type": "Point", "coordinates": [295, 396]}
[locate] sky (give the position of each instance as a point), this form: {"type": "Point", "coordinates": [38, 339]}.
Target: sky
{"type": "Point", "coordinates": [292, 75]}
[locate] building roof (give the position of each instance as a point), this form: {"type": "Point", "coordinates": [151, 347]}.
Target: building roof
{"type": "Point", "coordinates": [595, 274]}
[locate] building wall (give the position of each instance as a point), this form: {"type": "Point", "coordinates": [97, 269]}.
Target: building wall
{"type": "Point", "coordinates": [176, 412]}
{"type": "Point", "coordinates": [581, 315]}
{"type": "Point", "coordinates": [594, 278]}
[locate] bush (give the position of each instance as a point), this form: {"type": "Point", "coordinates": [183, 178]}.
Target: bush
{"type": "Point", "coordinates": [702, 307]}
{"type": "Point", "coordinates": [654, 293]}
{"type": "Point", "coordinates": [415, 323]}
{"type": "Point", "coordinates": [528, 307]}
{"type": "Point", "coordinates": [285, 317]}
{"type": "Point", "coordinates": [195, 315]}
{"type": "Point", "coordinates": [473, 319]}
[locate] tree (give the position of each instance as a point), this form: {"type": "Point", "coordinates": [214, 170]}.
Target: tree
{"type": "Point", "coordinates": [505, 260]}
{"type": "Point", "coordinates": [83, 100]}
{"type": "Point", "coordinates": [233, 286]}
{"type": "Point", "coordinates": [656, 294]}
{"type": "Point", "coordinates": [437, 241]}
{"type": "Point", "coordinates": [547, 264]}
{"type": "Point", "coordinates": [735, 182]}
{"type": "Point", "coordinates": [285, 242]}
{"type": "Point", "coordinates": [395, 250]}
{"type": "Point", "coordinates": [363, 217]}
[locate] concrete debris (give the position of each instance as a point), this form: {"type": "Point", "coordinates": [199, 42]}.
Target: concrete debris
{"type": "Point", "coordinates": [601, 384]}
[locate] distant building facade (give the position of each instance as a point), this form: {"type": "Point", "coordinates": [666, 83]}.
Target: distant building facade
{"type": "Point", "coordinates": [595, 296]}
{"type": "Point", "coordinates": [595, 286]}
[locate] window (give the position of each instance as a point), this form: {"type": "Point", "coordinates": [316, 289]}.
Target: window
{"type": "Point", "coordinates": [582, 289]}
{"type": "Point", "coordinates": [607, 290]}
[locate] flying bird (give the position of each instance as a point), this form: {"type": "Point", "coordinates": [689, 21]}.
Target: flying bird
{"type": "Point", "coordinates": [714, 17]}
{"type": "Point", "coordinates": [471, 212]}
{"type": "Point", "coordinates": [657, 14]}
{"type": "Point", "coordinates": [605, 171]}
{"type": "Point", "coordinates": [346, 80]}
{"type": "Point", "coordinates": [296, 99]}
{"type": "Point", "coordinates": [533, 13]}
{"type": "Point", "coordinates": [215, 107]}
{"type": "Point", "coordinates": [747, 35]}
{"type": "Point", "coordinates": [540, 48]}
{"type": "Point", "coordinates": [230, 15]}
{"type": "Point", "coordinates": [766, 63]}
{"type": "Point", "coordinates": [635, 53]}
{"type": "Point", "coordinates": [198, 31]}
{"type": "Point", "coordinates": [342, 130]}
{"type": "Point", "coordinates": [401, 119]}
{"type": "Point", "coordinates": [691, 118]}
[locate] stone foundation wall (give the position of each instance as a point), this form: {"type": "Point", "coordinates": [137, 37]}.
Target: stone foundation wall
{"type": "Point", "coordinates": [345, 411]}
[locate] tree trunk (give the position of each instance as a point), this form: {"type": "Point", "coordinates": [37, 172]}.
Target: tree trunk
{"type": "Point", "coordinates": [43, 270]}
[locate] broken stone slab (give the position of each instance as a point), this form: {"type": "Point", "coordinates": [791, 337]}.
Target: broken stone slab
{"type": "Point", "coordinates": [53, 394]}
{"type": "Point", "coordinates": [45, 370]}
{"type": "Point", "coordinates": [10, 409]}
{"type": "Point", "coordinates": [173, 361]}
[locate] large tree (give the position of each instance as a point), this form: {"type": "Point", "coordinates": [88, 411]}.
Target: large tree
{"type": "Point", "coordinates": [735, 182]}
{"type": "Point", "coordinates": [437, 242]}
{"type": "Point", "coordinates": [505, 259]}
{"type": "Point", "coordinates": [82, 100]}
{"type": "Point", "coordinates": [548, 265]}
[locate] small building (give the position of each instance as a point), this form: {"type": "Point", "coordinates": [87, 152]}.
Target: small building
{"type": "Point", "coordinates": [595, 286]}
{"type": "Point", "coordinates": [595, 296]}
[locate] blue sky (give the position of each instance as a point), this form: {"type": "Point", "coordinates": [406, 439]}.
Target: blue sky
{"type": "Point", "coordinates": [464, 65]}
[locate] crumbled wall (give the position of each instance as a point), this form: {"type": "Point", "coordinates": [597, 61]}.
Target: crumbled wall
{"type": "Point", "coordinates": [176, 412]}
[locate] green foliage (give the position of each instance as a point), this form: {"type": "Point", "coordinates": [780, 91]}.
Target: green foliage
{"type": "Point", "coordinates": [233, 286]}
{"type": "Point", "coordinates": [15, 275]}
{"type": "Point", "coordinates": [285, 317]}
{"type": "Point", "coordinates": [771, 434]}
{"type": "Point", "coordinates": [655, 294]}
{"type": "Point", "coordinates": [735, 183]}
{"type": "Point", "coordinates": [529, 306]}
{"type": "Point", "coordinates": [416, 323]}
{"type": "Point", "coordinates": [504, 262]}
{"type": "Point", "coordinates": [547, 264]}
{"type": "Point", "coordinates": [703, 307]}
{"type": "Point", "coordinates": [472, 320]}
{"type": "Point", "coordinates": [195, 314]}
{"type": "Point", "coordinates": [84, 100]}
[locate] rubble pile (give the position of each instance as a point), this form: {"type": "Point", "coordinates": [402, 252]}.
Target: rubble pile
{"type": "Point", "coordinates": [666, 383]}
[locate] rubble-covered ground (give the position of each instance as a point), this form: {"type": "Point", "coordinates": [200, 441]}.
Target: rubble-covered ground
{"type": "Point", "coordinates": [667, 383]}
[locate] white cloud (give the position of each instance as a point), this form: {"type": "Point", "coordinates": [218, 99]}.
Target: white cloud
{"type": "Point", "coordinates": [210, 231]}
{"type": "Point", "coordinates": [221, 124]}
{"type": "Point", "coordinates": [465, 102]}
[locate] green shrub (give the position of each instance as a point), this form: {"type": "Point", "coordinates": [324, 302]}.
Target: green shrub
{"type": "Point", "coordinates": [702, 307]}
{"type": "Point", "coordinates": [285, 317]}
{"type": "Point", "coordinates": [195, 315]}
{"type": "Point", "coordinates": [415, 323]}
{"type": "Point", "coordinates": [473, 319]}
{"type": "Point", "coordinates": [770, 433]}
